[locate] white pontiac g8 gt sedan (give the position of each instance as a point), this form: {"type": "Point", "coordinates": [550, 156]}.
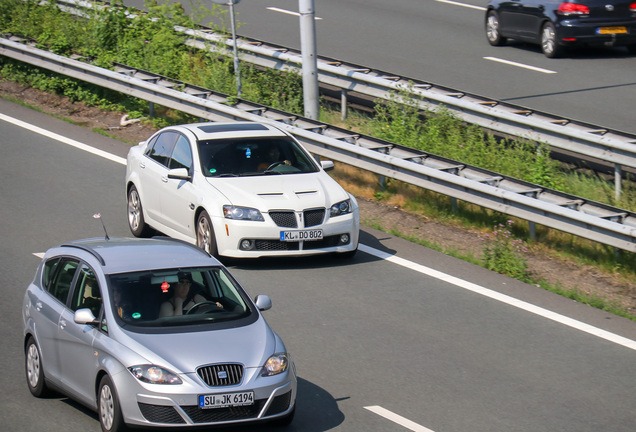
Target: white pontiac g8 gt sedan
{"type": "Point", "coordinates": [238, 189]}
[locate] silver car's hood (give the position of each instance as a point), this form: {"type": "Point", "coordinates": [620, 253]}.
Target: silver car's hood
{"type": "Point", "coordinates": [285, 191]}
{"type": "Point", "coordinates": [249, 345]}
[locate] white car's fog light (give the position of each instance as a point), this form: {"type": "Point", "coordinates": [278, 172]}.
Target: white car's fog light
{"type": "Point", "coordinates": [344, 239]}
{"type": "Point", "coordinates": [247, 245]}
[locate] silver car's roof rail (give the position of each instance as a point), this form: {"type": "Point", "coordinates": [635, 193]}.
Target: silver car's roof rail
{"type": "Point", "coordinates": [87, 249]}
{"type": "Point", "coordinates": [161, 237]}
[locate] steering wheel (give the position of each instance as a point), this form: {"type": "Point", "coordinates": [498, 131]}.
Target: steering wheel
{"type": "Point", "coordinates": [274, 165]}
{"type": "Point", "coordinates": [203, 303]}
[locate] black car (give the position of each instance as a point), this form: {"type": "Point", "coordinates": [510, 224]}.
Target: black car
{"type": "Point", "coordinates": [556, 25]}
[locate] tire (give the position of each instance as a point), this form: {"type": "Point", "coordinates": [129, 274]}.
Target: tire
{"type": "Point", "coordinates": [108, 409]}
{"type": "Point", "coordinates": [136, 222]}
{"type": "Point", "coordinates": [631, 49]}
{"type": "Point", "coordinates": [34, 370]}
{"type": "Point", "coordinates": [549, 44]}
{"type": "Point", "coordinates": [205, 234]}
{"type": "Point", "coordinates": [492, 29]}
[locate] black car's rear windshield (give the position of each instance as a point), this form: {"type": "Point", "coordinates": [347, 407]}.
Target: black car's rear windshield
{"type": "Point", "coordinates": [253, 156]}
{"type": "Point", "coordinates": [167, 298]}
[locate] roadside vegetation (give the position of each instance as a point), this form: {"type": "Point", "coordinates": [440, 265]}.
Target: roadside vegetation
{"type": "Point", "coordinates": [148, 41]}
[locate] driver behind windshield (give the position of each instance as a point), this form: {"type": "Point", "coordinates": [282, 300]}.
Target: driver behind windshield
{"type": "Point", "coordinates": [183, 298]}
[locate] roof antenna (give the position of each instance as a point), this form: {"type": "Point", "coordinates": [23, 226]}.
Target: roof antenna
{"type": "Point", "coordinates": [99, 216]}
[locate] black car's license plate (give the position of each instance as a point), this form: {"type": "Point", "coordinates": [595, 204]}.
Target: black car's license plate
{"type": "Point", "coordinates": [611, 30]}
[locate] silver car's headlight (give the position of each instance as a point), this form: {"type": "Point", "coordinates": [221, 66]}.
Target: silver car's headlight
{"type": "Point", "coordinates": [154, 374]}
{"type": "Point", "coordinates": [242, 213]}
{"type": "Point", "coordinates": [276, 364]}
{"type": "Point", "coordinates": [338, 209]}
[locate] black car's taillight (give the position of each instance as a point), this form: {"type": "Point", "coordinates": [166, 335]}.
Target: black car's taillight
{"type": "Point", "coordinates": [567, 9]}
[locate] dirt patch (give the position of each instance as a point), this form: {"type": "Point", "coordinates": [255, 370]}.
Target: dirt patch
{"type": "Point", "coordinates": [555, 271]}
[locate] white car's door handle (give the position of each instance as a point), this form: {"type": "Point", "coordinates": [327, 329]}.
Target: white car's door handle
{"type": "Point", "coordinates": [164, 179]}
{"type": "Point", "coordinates": [142, 165]}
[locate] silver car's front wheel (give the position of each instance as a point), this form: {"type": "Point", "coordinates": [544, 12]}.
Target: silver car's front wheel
{"type": "Point", "coordinates": [110, 416]}
{"type": "Point", "coordinates": [205, 234]}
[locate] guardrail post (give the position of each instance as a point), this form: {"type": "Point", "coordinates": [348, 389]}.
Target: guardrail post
{"type": "Point", "coordinates": [343, 104]}
{"type": "Point", "coordinates": [151, 109]}
{"type": "Point", "coordinates": [617, 181]}
{"type": "Point", "coordinates": [532, 228]}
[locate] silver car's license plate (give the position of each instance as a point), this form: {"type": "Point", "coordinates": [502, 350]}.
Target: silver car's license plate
{"type": "Point", "coordinates": [224, 400]}
{"type": "Point", "coordinates": [301, 235]}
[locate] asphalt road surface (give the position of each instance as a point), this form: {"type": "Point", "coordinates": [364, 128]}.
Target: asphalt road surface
{"type": "Point", "coordinates": [400, 338]}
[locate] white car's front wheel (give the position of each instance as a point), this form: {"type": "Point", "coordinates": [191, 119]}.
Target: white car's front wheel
{"type": "Point", "coordinates": [205, 234]}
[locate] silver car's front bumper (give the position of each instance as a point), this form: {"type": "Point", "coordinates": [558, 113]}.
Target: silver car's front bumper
{"type": "Point", "coordinates": [273, 397]}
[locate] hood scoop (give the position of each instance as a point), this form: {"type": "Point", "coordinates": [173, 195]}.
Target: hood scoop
{"type": "Point", "coordinates": [306, 193]}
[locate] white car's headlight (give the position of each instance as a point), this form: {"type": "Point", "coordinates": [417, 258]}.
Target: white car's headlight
{"type": "Point", "coordinates": [338, 209]}
{"type": "Point", "coordinates": [242, 213]}
{"type": "Point", "coordinates": [154, 374]}
{"type": "Point", "coordinates": [276, 364]}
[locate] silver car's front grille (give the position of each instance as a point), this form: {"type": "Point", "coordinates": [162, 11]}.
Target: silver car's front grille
{"type": "Point", "coordinates": [284, 219]}
{"type": "Point", "coordinates": [220, 375]}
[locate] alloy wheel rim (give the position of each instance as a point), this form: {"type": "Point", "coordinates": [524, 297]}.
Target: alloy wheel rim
{"type": "Point", "coordinates": [33, 366]}
{"type": "Point", "coordinates": [492, 28]}
{"type": "Point", "coordinates": [107, 407]}
{"type": "Point", "coordinates": [203, 235]}
{"type": "Point", "coordinates": [548, 40]}
{"type": "Point", "coordinates": [133, 210]}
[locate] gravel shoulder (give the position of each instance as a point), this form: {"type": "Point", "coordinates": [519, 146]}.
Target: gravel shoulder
{"type": "Point", "coordinates": [555, 271]}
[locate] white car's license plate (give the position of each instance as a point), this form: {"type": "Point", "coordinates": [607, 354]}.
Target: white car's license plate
{"type": "Point", "coordinates": [301, 235]}
{"type": "Point", "coordinates": [224, 400]}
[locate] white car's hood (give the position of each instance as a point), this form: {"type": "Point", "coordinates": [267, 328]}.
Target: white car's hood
{"type": "Point", "coordinates": [250, 345]}
{"type": "Point", "coordinates": [285, 191]}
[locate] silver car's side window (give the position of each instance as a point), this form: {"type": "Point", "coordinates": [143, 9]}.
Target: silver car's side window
{"type": "Point", "coordinates": [49, 271]}
{"type": "Point", "coordinates": [62, 279]}
{"type": "Point", "coordinates": [87, 293]}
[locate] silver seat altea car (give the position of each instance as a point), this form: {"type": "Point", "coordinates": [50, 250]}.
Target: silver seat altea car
{"type": "Point", "coordinates": [153, 332]}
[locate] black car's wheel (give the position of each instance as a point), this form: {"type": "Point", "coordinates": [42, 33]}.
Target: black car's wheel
{"type": "Point", "coordinates": [549, 43]}
{"type": "Point", "coordinates": [34, 372]}
{"type": "Point", "coordinates": [492, 29]}
{"type": "Point", "coordinates": [110, 416]}
{"type": "Point", "coordinates": [205, 234]}
{"type": "Point", "coordinates": [136, 221]}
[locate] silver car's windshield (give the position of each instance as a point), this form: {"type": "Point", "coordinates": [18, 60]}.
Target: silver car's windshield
{"type": "Point", "coordinates": [176, 297]}
{"type": "Point", "coordinates": [239, 157]}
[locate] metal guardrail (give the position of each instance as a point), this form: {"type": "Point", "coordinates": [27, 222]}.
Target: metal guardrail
{"type": "Point", "coordinates": [598, 222]}
{"type": "Point", "coordinates": [584, 139]}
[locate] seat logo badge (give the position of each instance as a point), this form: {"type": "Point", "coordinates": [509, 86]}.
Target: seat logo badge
{"type": "Point", "coordinates": [609, 7]}
{"type": "Point", "coordinates": [222, 374]}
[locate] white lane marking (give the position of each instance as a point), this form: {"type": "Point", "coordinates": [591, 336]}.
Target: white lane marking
{"type": "Point", "coordinates": [521, 65]}
{"type": "Point", "coordinates": [39, 254]}
{"type": "Point", "coordinates": [391, 258]}
{"type": "Point", "coordinates": [620, 340]}
{"type": "Point", "coordinates": [288, 12]}
{"type": "Point", "coordinates": [462, 4]}
{"type": "Point", "coordinates": [63, 139]}
{"type": "Point", "coordinates": [397, 419]}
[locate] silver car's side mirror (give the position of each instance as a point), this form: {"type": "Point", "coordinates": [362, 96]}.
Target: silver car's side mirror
{"type": "Point", "coordinates": [263, 302]}
{"type": "Point", "coordinates": [84, 316]}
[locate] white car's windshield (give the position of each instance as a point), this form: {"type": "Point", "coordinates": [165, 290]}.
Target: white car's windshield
{"type": "Point", "coordinates": [174, 297]}
{"type": "Point", "coordinates": [253, 156]}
